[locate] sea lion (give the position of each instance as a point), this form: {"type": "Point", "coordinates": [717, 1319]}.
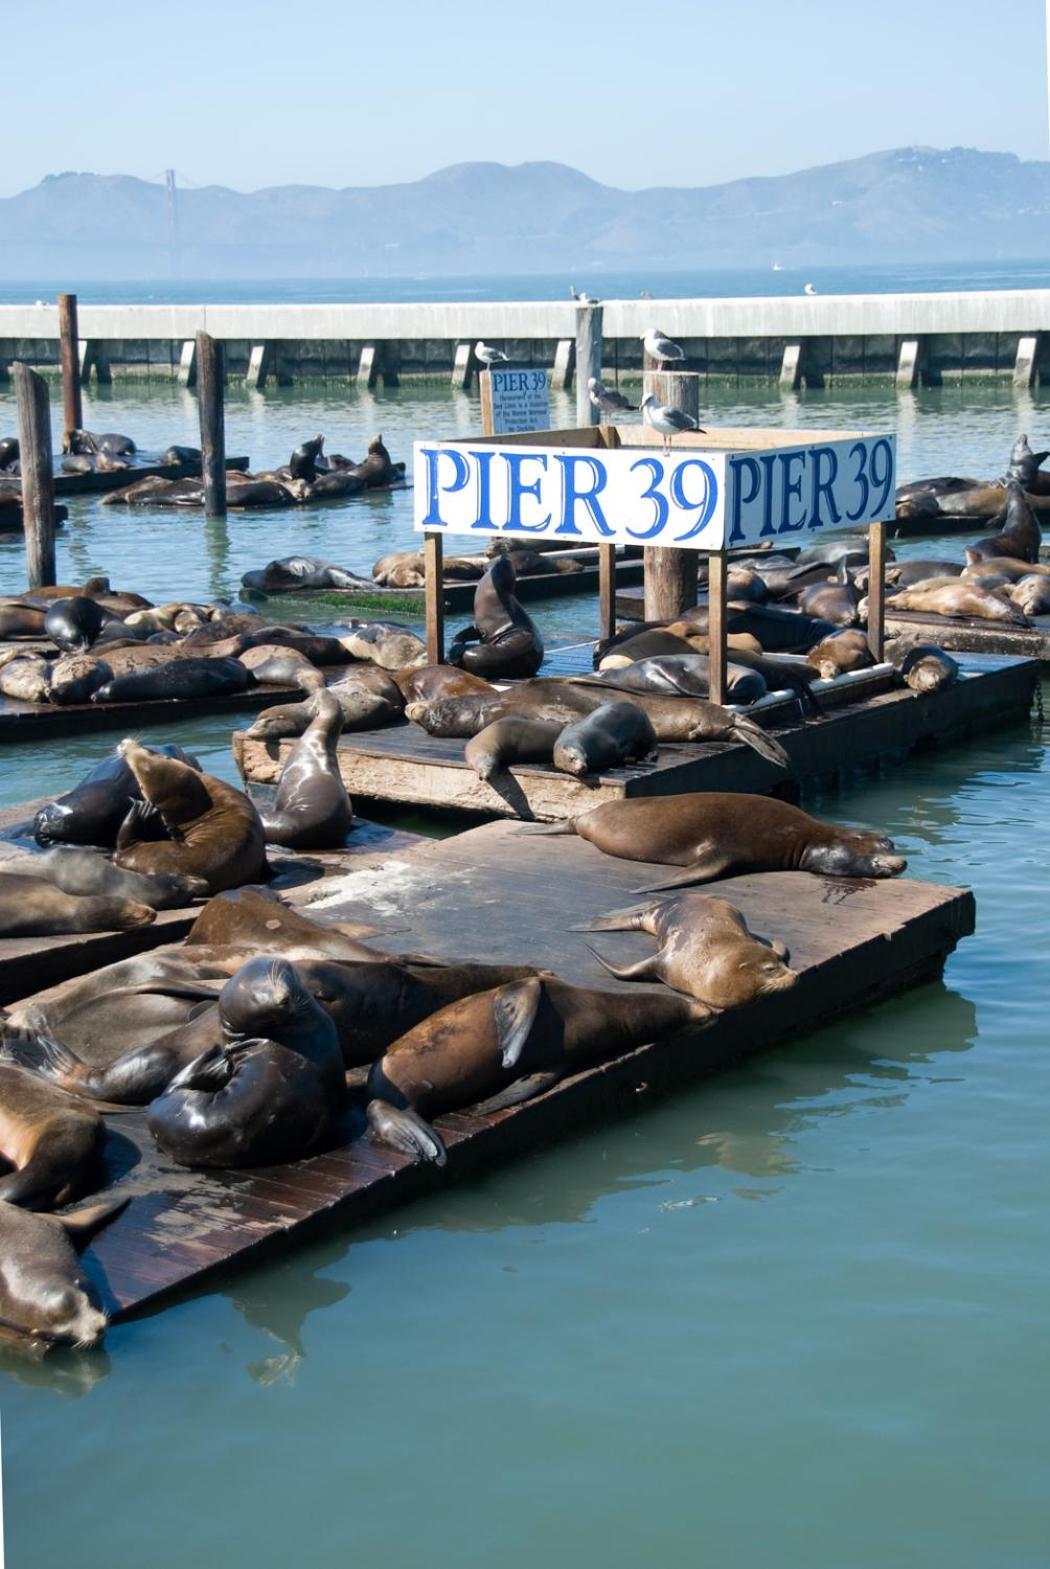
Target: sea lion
{"type": "Point", "coordinates": [43, 1290]}
{"type": "Point", "coordinates": [52, 1142]}
{"type": "Point", "coordinates": [1009, 568]}
{"type": "Point", "coordinates": [906, 573]}
{"type": "Point", "coordinates": [273, 664]}
{"type": "Point", "coordinates": [834, 602]}
{"type": "Point", "coordinates": [176, 678]}
{"type": "Point", "coordinates": [400, 569]}
{"type": "Point", "coordinates": [384, 644]}
{"type": "Point", "coordinates": [376, 468]}
{"type": "Point", "coordinates": [303, 462]}
{"type": "Point", "coordinates": [259, 493]}
{"type": "Point", "coordinates": [369, 698]}
{"type": "Point", "coordinates": [327, 487]}
{"type": "Point", "coordinates": [502, 641]}
{"type": "Point", "coordinates": [610, 736]}
{"type": "Point", "coordinates": [925, 668]}
{"type": "Point", "coordinates": [706, 950]}
{"type": "Point", "coordinates": [295, 572]}
{"type": "Point", "coordinates": [717, 833]}
{"type": "Point", "coordinates": [430, 682]}
{"type": "Point", "coordinates": [685, 675]}
{"type": "Point", "coordinates": [842, 651]}
{"type": "Point", "coordinates": [86, 872]}
{"type": "Point", "coordinates": [75, 623]}
{"type": "Point", "coordinates": [26, 678]}
{"type": "Point", "coordinates": [270, 1092]}
{"type": "Point", "coordinates": [649, 643]}
{"type": "Point", "coordinates": [517, 1039]}
{"type": "Point", "coordinates": [76, 678]}
{"type": "Point", "coordinates": [312, 810]}
{"type": "Point", "coordinates": [1025, 464]}
{"type": "Point", "coordinates": [958, 599]}
{"type": "Point", "coordinates": [1021, 535]}
{"type": "Point", "coordinates": [1032, 594]}
{"type": "Point", "coordinates": [778, 630]}
{"type": "Point", "coordinates": [31, 907]}
{"type": "Point", "coordinates": [256, 917]}
{"type": "Point", "coordinates": [10, 452]}
{"type": "Point", "coordinates": [19, 619]}
{"type": "Point", "coordinates": [216, 832]}
{"type": "Point", "coordinates": [185, 457]}
{"type": "Point", "coordinates": [459, 717]}
{"type": "Point", "coordinates": [92, 812]}
{"type": "Point", "coordinates": [508, 741]}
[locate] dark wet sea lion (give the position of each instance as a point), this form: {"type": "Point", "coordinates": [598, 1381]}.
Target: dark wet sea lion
{"type": "Point", "coordinates": [684, 675]}
{"type": "Point", "coordinates": [608, 737]}
{"type": "Point", "coordinates": [10, 452]}
{"type": "Point", "coordinates": [507, 741]}
{"type": "Point", "coordinates": [80, 463]}
{"type": "Point", "coordinates": [276, 665]}
{"type": "Point", "coordinates": [75, 623]}
{"type": "Point", "coordinates": [651, 643]}
{"type": "Point", "coordinates": [502, 641]}
{"type": "Point", "coordinates": [339, 482]}
{"type": "Point", "coordinates": [1021, 535]}
{"type": "Point", "coordinates": [176, 678]}
{"type": "Point", "coordinates": [926, 668]}
{"type": "Point", "coordinates": [186, 457]}
{"type": "Point", "coordinates": [959, 598]}
{"type": "Point", "coordinates": [317, 649]}
{"type": "Point", "coordinates": [717, 833]}
{"type": "Point", "coordinates": [312, 810]}
{"type": "Point", "coordinates": [259, 493]}
{"type": "Point", "coordinates": [32, 907]}
{"type": "Point", "coordinates": [271, 1091]}
{"type": "Point", "coordinates": [841, 652]}
{"type": "Point", "coordinates": [43, 1290]}
{"type": "Point", "coordinates": [303, 462]}
{"type": "Point", "coordinates": [52, 1142]}
{"type": "Point", "coordinates": [92, 812]}
{"type": "Point", "coordinates": [705, 950]}
{"type": "Point", "coordinates": [376, 468]}
{"type": "Point", "coordinates": [778, 630]}
{"type": "Point", "coordinates": [528, 1035]}
{"type": "Point", "coordinates": [216, 831]}
{"type": "Point", "coordinates": [430, 682]}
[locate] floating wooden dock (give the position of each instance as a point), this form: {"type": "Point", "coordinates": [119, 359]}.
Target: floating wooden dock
{"type": "Point", "coordinates": [875, 722]}
{"type": "Point", "coordinates": [495, 894]}
{"type": "Point", "coordinates": [966, 634]}
{"type": "Point", "coordinates": [28, 964]}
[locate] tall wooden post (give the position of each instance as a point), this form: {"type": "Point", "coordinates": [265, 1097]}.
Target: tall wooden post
{"type": "Point", "coordinates": [434, 596]}
{"type": "Point", "coordinates": [670, 575]}
{"type": "Point", "coordinates": [211, 386]}
{"type": "Point", "coordinates": [69, 354]}
{"type": "Point", "coordinates": [588, 360]}
{"type": "Point", "coordinates": [38, 475]}
{"type": "Point", "coordinates": [716, 624]}
{"type": "Point", "coordinates": [877, 590]}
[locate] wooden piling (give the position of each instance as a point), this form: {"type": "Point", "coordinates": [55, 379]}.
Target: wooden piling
{"type": "Point", "coordinates": [564, 365]}
{"type": "Point", "coordinates": [260, 366]}
{"type": "Point", "coordinates": [877, 590]}
{"type": "Point", "coordinates": [463, 367]}
{"type": "Point", "coordinates": [211, 384]}
{"type": "Point", "coordinates": [69, 354]}
{"type": "Point", "coordinates": [670, 575]}
{"type": "Point", "coordinates": [716, 625]}
{"type": "Point", "coordinates": [38, 475]}
{"type": "Point", "coordinates": [588, 360]}
{"type": "Point", "coordinates": [434, 573]}
{"type": "Point", "coordinates": [187, 372]}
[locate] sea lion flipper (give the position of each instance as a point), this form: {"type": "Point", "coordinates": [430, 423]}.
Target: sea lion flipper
{"type": "Point", "coordinates": [564, 827]}
{"type": "Point", "coordinates": [140, 815]}
{"type": "Point", "coordinates": [82, 1225]}
{"type": "Point", "coordinates": [405, 1130]}
{"type": "Point", "coordinates": [709, 865]}
{"type": "Point", "coordinates": [615, 921]}
{"type": "Point", "coordinates": [209, 1071]}
{"type": "Point", "coordinates": [646, 969]}
{"type": "Point", "coordinates": [760, 741]}
{"type": "Point", "coordinates": [514, 1009]}
{"type": "Point", "coordinates": [514, 1094]}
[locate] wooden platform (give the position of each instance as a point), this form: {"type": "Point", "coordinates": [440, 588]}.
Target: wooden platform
{"type": "Point", "coordinates": [964, 634]}
{"type": "Point", "coordinates": [404, 764]}
{"type": "Point", "coordinates": [92, 484]}
{"type": "Point", "coordinates": [853, 943]}
{"type": "Point", "coordinates": [28, 964]}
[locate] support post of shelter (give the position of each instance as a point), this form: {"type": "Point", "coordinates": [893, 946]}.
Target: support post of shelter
{"type": "Point", "coordinates": [463, 366]}
{"type": "Point", "coordinates": [38, 475]}
{"type": "Point", "coordinates": [877, 590]}
{"type": "Point", "coordinates": [564, 365]}
{"type": "Point", "coordinates": [909, 363]}
{"type": "Point", "coordinates": [485, 388]}
{"type": "Point", "coordinates": [670, 575]}
{"type": "Point", "coordinates": [68, 345]}
{"type": "Point", "coordinates": [716, 624]}
{"type": "Point", "coordinates": [434, 594]}
{"type": "Point", "coordinates": [588, 361]}
{"type": "Point", "coordinates": [1026, 365]}
{"type": "Point", "coordinates": [211, 383]}
{"type": "Point", "coordinates": [187, 371]}
{"type": "Point", "coordinates": [260, 366]}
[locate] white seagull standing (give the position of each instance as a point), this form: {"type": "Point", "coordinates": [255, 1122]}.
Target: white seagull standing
{"type": "Point", "coordinates": [489, 356]}
{"type": "Point", "coordinates": [661, 347]}
{"type": "Point", "coordinates": [669, 421]}
{"type": "Point", "coordinates": [607, 398]}
{"type": "Point", "coordinates": [807, 288]}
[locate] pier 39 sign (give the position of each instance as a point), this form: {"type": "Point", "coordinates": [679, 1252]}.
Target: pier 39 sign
{"type": "Point", "coordinates": [695, 498]}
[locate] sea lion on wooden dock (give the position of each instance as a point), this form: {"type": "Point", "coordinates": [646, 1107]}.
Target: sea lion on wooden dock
{"type": "Point", "coordinates": [957, 598]}
{"type": "Point", "coordinates": [610, 736]}
{"type": "Point", "coordinates": [33, 907]}
{"type": "Point", "coordinates": [75, 623]}
{"type": "Point", "coordinates": [716, 833]}
{"type": "Point", "coordinates": [502, 641]}
{"type": "Point", "coordinates": [246, 916]}
{"type": "Point", "coordinates": [75, 678]}
{"type": "Point", "coordinates": [923, 667]}
{"type": "Point", "coordinates": [682, 675]}
{"type": "Point", "coordinates": [510, 1043]}
{"type": "Point", "coordinates": [368, 696]}
{"type": "Point", "coordinates": [429, 683]}
{"type": "Point", "coordinates": [216, 831]}
{"type": "Point", "coordinates": [274, 664]}
{"type": "Point", "coordinates": [381, 643]}
{"type": "Point", "coordinates": [778, 630]}
{"type": "Point", "coordinates": [835, 602]}
{"type": "Point", "coordinates": [19, 618]}
{"type": "Point", "coordinates": [512, 740]}
{"type": "Point", "coordinates": [842, 651]}
{"type": "Point", "coordinates": [1032, 594]}
{"type": "Point", "coordinates": [182, 678]}
{"type": "Point", "coordinates": [24, 676]}
{"type": "Point", "coordinates": [52, 1142]}
{"type": "Point", "coordinates": [92, 812]}
{"type": "Point", "coordinates": [1021, 535]}
{"type": "Point", "coordinates": [43, 1290]}
{"type": "Point", "coordinates": [312, 810]}
{"type": "Point", "coordinates": [706, 950]}
{"type": "Point", "coordinates": [78, 869]}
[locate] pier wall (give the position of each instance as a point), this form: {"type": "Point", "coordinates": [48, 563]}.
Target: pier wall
{"type": "Point", "coordinates": [906, 338]}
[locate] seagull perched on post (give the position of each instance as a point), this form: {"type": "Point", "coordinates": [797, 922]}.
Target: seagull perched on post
{"type": "Point", "coordinates": [669, 421]}
{"type": "Point", "coordinates": [488, 356]}
{"type": "Point", "coordinates": [607, 398]}
{"type": "Point", "coordinates": [661, 347]}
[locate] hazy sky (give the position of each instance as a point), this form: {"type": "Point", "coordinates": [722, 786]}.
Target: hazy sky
{"type": "Point", "coordinates": [331, 93]}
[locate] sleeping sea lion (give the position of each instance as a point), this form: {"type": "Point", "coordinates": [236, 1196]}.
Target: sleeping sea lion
{"type": "Point", "coordinates": [610, 736]}
{"type": "Point", "coordinates": [840, 652]}
{"type": "Point", "coordinates": [32, 907]}
{"type": "Point", "coordinates": [87, 873]}
{"type": "Point", "coordinates": [52, 1142]}
{"type": "Point", "coordinates": [176, 678]}
{"type": "Point", "coordinates": [512, 740]}
{"type": "Point", "coordinates": [43, 1290]}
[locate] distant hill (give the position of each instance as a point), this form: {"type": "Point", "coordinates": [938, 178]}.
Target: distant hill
{"type": "Point", "coordinates": [913, 204]}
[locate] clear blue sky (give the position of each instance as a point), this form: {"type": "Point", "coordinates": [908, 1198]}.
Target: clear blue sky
{"type": "Point", "coordinates": [332, 93]}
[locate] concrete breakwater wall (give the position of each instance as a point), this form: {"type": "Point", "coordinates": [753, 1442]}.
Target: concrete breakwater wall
{"type": "Point", "coordinates": [903, 338]}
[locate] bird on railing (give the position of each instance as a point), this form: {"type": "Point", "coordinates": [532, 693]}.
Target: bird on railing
{"type": "Point", "coordinates": [582, 297]}
{"type": "Point", "coordinates": [607, 398]}
{"type": "Point", "coordinates": [668, 420]}
{"type": "Point", "coordinates": [660, 347]}
{"type": "Point", "coordinates": [488, 356]}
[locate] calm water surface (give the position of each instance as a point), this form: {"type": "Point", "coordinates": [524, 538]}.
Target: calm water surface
{"type": "Point", "coordinates": [794, 1316]}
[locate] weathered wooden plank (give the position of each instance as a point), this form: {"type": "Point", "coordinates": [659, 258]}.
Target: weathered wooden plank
{"type": "Point", "coordinates": [966, 635]}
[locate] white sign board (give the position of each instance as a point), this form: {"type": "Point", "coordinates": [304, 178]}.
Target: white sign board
{"type": "Point", "coordinates": [520, 401]}
{"type": "Point", "coordinates": [696, 498]}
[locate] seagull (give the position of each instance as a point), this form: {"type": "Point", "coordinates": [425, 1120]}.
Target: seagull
{"type": "Point", "coordinates": [808, 289]}
{"type": "Point", "coordinates": [669, 421]}
{"type": "Point", "coordinates": [488, 355]}
{"type": "Point", "coordinates": [661, 348]}
{"type": "Point", "coordinates": [643, 294]}
{"type": "Point", "coordinates": [582, 297]}
{"type": "Point", "coordinates": [607, 398]}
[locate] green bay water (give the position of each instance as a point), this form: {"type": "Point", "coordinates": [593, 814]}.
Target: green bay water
{"type": "Point", "coordinates": [793, 1315]}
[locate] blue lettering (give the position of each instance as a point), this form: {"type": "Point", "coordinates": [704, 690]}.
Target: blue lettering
{"type": "Point", "coordinates": [461, 473]}
{"type": "Point", "coordinates": [860, 452]}
{"type": "Point", "coordinates": [484, 463]}
{"type": "Point", "coordinates": [518, 489]}
{"type": "Point", "coordinates": [790, 488]}
{"type": "Point", "coordinates": [740, 501]}
{"type": "Point", "coordinates": [822, 487]}
{"type": "Point", "coordinates": [767, 530]}
{"type": "Point", "coordinates": [572, 494]}
{"type": "Point", "coordinates": [707, 502]}
{"type": "Point", "coordinates": [660, 506]}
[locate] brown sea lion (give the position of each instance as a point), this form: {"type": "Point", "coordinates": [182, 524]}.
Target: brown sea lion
{"type": "Point", "coordinates": [958, 599]}
{"type": "Point", "coordinates": [717, 833]}
{"type": "Point", "coordinates": [52, 1142]}
{"type": "Point", "coordinates": [1032, 594]}
{"type": "Point", "coordinates": [517, 1039]}
{"type": "Point", "coordinates": [312, 810]}
{"type": "Point", "coordinates": [44, 1293]}
{"type": "Point", "coordinates": [610, 736]}
{"type": "Point", "coordinates": [87, 873]}
{"type": "Point", "coordinates": [778, 629]}
{"type": "Point", "coordinates": [652, 643]}
{"type": "Point", "coordinates": [840, 652]}
{"type": "Point", "coordinates": [706, 950]}
{"type": "Point", "coordinates": [378, 643]}
{"type": "Point", "coordinates": [925, 668]}
{"type": "Point", "coordinates": [368, 696]}
{"type": "Point", "coordinates": [834, 602]}
{"type": "Point", "coordinates": [507, 741]}
{"type": "Point", "coordinates": [75, 677]}
{"type": "Point", "coordinates": [276, 665]}
{"type": "Point", "coordinates": [431, 682]}
{"type": "Point", "coordinates": [502, 641]}
{"type": "Point", "coordinates": [400, 569]}
{"type": "Point", "coordinates": [32, 907]}
{"type": "Point", "coordinates": [19, 619]}
{"type": "Point", "coordinates": [254, 916]}
{"type": "Point", "coordinates": [1007, 567]}
{"type": "Point", "coordinates": [216, 832]}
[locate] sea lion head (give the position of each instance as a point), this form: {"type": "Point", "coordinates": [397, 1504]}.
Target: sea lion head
{"type": "Point", "coordinates": [854, 852]}
{"type": "Point", "coordinates": [265, 994]}
{"type": "Point", "coordinates": [173, 787]}
{"type": "Point", "coordinates": [744, 970]}
{"type": "Point", "coordinates": [125, 915]}
{"type": "Point", "coordinates": [44, 1292]}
